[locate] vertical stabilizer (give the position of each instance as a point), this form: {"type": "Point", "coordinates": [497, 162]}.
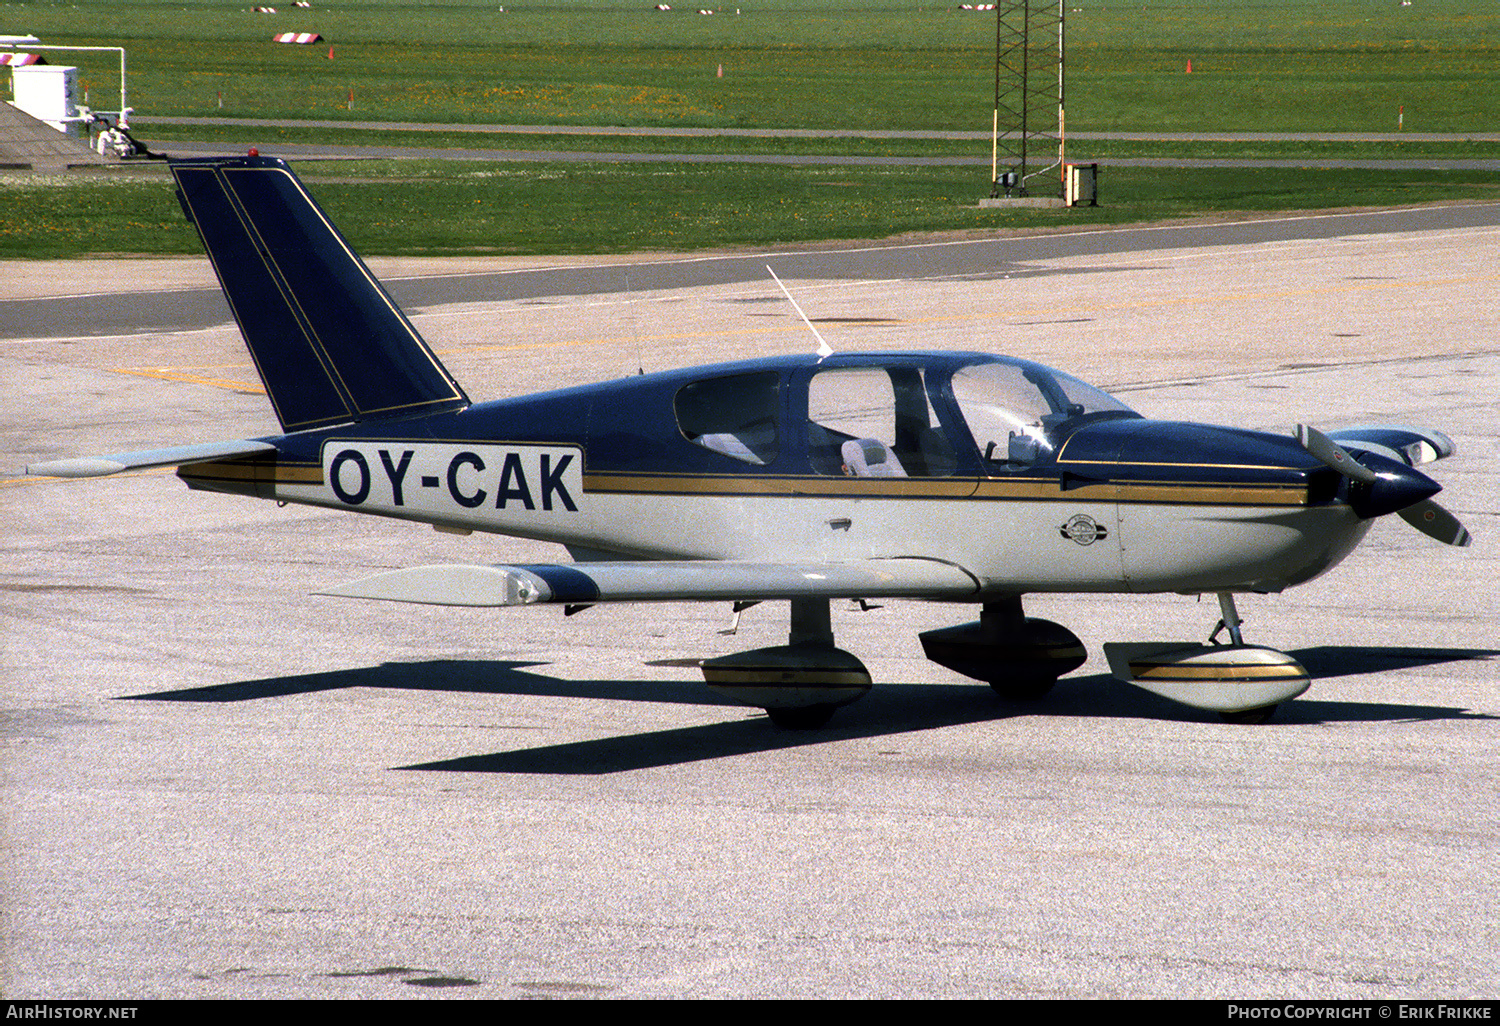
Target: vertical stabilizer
{"type": "Point", "coordinates": [330, 345]}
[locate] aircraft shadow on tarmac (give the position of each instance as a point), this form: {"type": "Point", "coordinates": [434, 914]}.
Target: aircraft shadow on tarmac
{"type": "Point", "coordinates": [888, 709]}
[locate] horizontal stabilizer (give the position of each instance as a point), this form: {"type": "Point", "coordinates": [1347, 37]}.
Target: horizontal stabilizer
{"type": "Point", "coordinates": [663, 581]}
{"type": "Point", "coordinates": [177, 456]}
{"type": "Point", "coordinates": [1412, 446]}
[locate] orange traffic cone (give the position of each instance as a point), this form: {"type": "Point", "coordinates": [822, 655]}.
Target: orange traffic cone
{"type": "Point", "coordinates": [1190, 67]}
{"type": "Point", "coordinates": [330, 53]}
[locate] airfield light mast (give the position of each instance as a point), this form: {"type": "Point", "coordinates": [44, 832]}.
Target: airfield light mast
{"type": "Point", "coordinates": [1028, 47]}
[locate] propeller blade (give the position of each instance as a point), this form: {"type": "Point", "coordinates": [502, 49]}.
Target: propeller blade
{"type": "Point", "coordinates": [1333, 454]}
{"type": "Point", "coordinates": [1380, 485]}
{"type": "Point", "coordinates": [1435, 522]}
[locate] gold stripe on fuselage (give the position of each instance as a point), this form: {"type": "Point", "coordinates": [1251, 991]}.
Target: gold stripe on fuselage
{"type": "Point", "coordinates": [247, 470]}
{"type": "Point", "coordinates": [989, 489]}
{"type": "Point", "coordinates": [742, 484]}
{"type": "Point", "coordinates": [1198, 494]}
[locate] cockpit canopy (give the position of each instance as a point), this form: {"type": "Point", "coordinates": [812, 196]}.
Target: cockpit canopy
{"type": "Point", "coordinates": [1020, 413]}
{"type": "Point", "coordinates": [905, 416]}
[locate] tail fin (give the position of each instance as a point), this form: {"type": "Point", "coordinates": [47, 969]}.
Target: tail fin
{"type": "Point", "coordinates": [330, 345]}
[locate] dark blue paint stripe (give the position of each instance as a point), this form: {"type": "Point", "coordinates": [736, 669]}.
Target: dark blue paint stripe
{"type": "Point", "coordinates": [566, 583]}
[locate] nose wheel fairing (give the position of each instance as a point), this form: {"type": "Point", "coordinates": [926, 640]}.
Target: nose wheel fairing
{"type": "Point", "coordinates": [1242, 683]}
{"type": "Point", "coordinates": [1220, 678]}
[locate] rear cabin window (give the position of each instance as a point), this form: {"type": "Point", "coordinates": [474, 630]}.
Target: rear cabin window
{"type": "Point", "coordinates": [874, 422]}
{"type": "Point", "coordinates": [734, 416]}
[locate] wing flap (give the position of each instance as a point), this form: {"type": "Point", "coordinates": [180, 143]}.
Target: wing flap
{"type": "Point", "coordinates": [455, 585]}
{"type": "Point", "coordinates": [176, 456]}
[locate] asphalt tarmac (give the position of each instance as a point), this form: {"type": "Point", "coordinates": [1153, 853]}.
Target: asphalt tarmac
{"type": "Point", "coordinates": [218, 785]}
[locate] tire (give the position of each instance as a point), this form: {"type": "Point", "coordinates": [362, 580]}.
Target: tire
{"type": "Point", "coordinates": [1023, 688]}
{"type": "Point", "coordinates": [1249, 716]}
{"type": "Point", "coordinates": [809, 717]}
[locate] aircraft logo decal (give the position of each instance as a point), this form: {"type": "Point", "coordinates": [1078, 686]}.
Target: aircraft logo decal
{"type": "Point", "coordinates": [1084, 530]}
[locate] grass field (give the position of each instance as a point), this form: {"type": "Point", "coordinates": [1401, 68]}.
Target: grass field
{"type": "Point", "coordinates": [234, 136]}
{"type": "Point", "coordinates": [1296, 66]}
{"type": "Point", "coordinates": [456, 207]}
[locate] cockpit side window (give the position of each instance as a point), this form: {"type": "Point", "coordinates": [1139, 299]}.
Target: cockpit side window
{"type": "Point", "coordinates": [735, 416]}
{"type": "Point", "coordinates": [875, 422]}
{"type": "Point", "coordinates": [1020, 413]}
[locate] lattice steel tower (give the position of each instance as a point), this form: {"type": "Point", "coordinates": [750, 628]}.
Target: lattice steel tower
{"type": "Point", "coordinates": [1029, 119]}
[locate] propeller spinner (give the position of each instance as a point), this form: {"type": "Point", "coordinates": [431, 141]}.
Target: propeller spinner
{"type": "Point", "coordinates": [1382, 485]}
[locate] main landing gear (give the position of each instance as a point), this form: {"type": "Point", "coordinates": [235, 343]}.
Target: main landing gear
{"type": "Point", "coordinates": [801, 684]}
{"type": "Point", "coordinates": [798, 684]}
{"type": "Point", "coordinates": [1019, 656]}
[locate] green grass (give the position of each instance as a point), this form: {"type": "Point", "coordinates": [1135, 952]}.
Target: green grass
{"type": "Point", "coordinates": [235, 137]}
{"type": "Point", "coordinates": [1297, 65]}
{"type": "Point", "coordinates": [1291, 66]}
{"type": "Point", "coordinates": [456, 207]}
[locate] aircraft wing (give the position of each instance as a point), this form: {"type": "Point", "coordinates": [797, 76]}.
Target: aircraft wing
{"type": "Point", "coordinates": [180, 455]}
{"type": "Point", "coordinates": [649, 581]}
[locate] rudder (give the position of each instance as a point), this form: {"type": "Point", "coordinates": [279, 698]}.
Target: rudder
{"type": "Point", "coordinates": [329, 343]}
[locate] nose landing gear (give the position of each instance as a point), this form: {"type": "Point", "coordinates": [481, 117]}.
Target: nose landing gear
{"type": "Point", "coordinates": [1242, 683]}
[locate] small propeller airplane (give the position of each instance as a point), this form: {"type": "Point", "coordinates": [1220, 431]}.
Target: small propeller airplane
{"type": "Point", "coordinates": [950, 477]}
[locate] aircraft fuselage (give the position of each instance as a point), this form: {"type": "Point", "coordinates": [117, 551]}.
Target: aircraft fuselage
{"type": "Point", "coordinates": [1118, 504]}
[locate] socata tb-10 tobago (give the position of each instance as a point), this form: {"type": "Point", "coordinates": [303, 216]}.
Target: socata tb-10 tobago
{"type": "Point", "coordinates": [944, 476]}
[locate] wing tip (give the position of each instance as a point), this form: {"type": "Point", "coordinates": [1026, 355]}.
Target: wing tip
{"type": "Point", "coordinates": [80, 467]}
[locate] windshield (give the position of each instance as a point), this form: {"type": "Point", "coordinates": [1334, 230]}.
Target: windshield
{"type": "Point", "coordinates": [1020, 413]}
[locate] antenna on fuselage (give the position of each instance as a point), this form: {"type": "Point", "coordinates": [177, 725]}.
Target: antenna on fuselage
{"type": "Point", "coordinates": [635, 331]}
{"type": "Point", "coordinates": [824, 349]}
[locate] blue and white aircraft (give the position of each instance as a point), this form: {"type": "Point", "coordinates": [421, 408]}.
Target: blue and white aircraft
{"type": "Point", "coordinates": [952, 477]}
